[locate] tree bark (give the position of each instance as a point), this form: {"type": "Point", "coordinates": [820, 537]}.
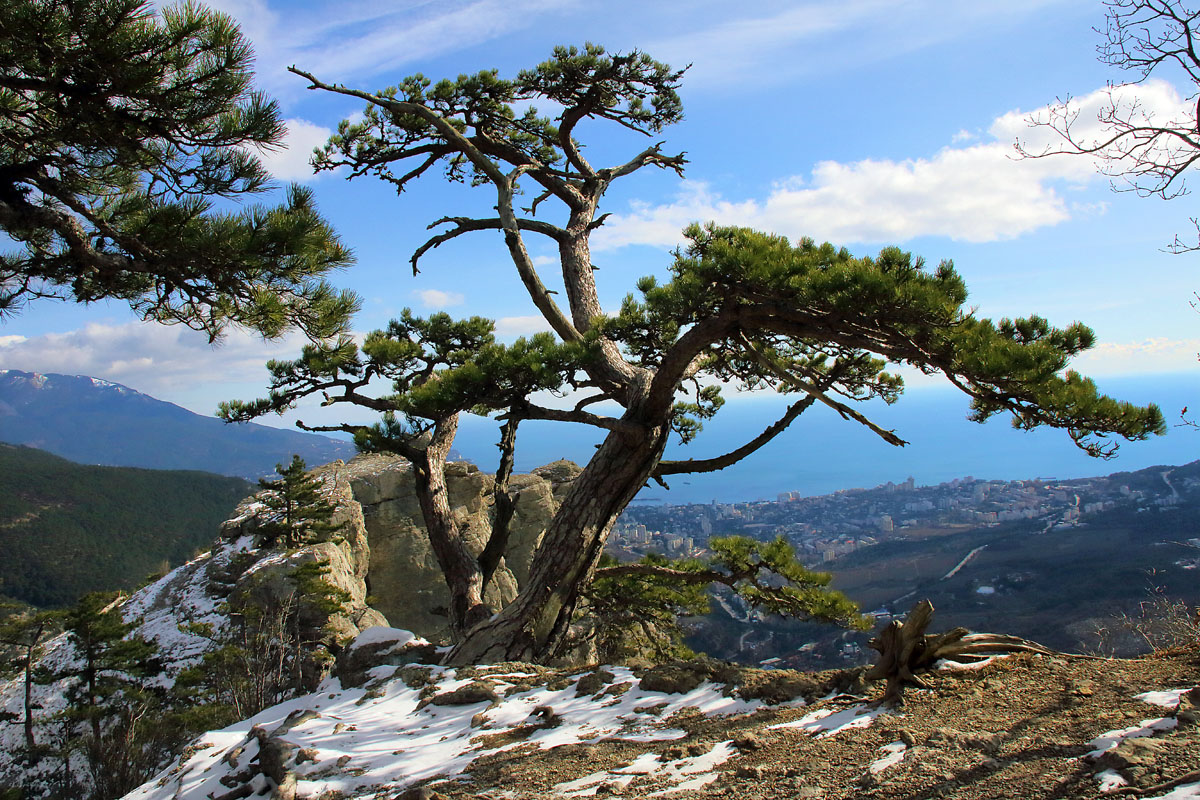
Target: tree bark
{"type": "Point", "coordinates": [27, 724]}
{"type": "Point", "coordinates": [534, 625]}
{"type": "Point", "coordinates": [459, 565]}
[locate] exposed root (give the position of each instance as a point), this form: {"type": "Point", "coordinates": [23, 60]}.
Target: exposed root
{"type": "Point", "coordinates": [904, 649]}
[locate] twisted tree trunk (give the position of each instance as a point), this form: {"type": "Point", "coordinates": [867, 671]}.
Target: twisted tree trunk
{"type": "Point", "coordinates": [534, 625]}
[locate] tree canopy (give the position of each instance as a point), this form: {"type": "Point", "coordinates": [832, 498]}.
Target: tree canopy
{"type": "Point", "coordinates": [123, 135]}
{"type": "Point", "coordinates": [740, 308]}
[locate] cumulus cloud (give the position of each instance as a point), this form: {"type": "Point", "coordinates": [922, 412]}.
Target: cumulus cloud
{"type": "Point", "coordinates": [290, 161]}
{"type": "Point", "coordinates": [521, 326]}
{"type": "Point", "coordinates": [980, 192]}
{"type": "Point", "coordinates": [436, 298]}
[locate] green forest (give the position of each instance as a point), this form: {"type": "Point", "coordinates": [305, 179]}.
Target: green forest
{"type": "Point", "coordinates": [68, 529]}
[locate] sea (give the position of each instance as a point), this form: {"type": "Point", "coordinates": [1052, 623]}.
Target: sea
{"type": "Point", "coordinates": [821, 453]}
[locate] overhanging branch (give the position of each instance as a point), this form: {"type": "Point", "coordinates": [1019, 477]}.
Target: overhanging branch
{"type": "Point", "coordinates": [721, 462]}
{"type": "Point", "coordinates": [841, 408]}
{"type": "Point", "coordinates": [468, 225]}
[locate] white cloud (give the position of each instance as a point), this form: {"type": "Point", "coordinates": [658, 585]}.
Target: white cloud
{"type": "Point", "coordinates": [1154, 102]}
{"type": "Point", "coordinates": [290, 161]}
{"type": "Point", "coordinates": [169, 362]}
{"type": "Point", "coordinates": [435, 298]}
{"type": "Point", "coordinates": [1147, 356]}
{"type": "Point", "coordinates": [963, 135]}
{"type": "Point", "coordinates": [521, 326]}
{"type": "Point", "coordinates": [980, 192]}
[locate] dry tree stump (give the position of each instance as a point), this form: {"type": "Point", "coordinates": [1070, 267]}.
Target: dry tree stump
{"type": "Point", "coordinates": [905, 649]}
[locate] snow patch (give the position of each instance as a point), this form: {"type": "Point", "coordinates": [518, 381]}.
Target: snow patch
{"type": "Point", "coordinates": [381, 634]}
{"type": "Point", "coordinates": [1110, 780]}
{"type": "Point", "coordinates": [1148, 727]}
{"type": "Point", "coordinates": [1167, 699]}
{"type": "Point", "coordinates": [385, 737]}
{"type": "Point", "coordinates": [684, 773]}
{"type": "Point", "coordinates": [892, 754]}
{"type": "Point", "coordinates": [827, 722]}
{"type": "Point", "coordinates": [947, 664]}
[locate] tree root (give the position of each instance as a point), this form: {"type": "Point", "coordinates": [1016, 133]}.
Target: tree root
{"type": "Point", "coordinates": [1187, 777]}
{"type": "Point", "coordinates": [904, 649]}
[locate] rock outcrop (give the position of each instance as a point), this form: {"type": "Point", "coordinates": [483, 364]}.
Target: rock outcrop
{"type": "Point", "coordinates": [402, 577]}
{"type": "Point", "coordinates": [382, 557]}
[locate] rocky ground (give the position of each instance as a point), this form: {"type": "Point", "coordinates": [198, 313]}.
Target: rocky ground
{"type": "Point", "coordinates": [1018, 727]}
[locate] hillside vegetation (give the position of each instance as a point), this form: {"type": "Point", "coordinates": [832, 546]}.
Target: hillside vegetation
{"type": "Point", "coordinates": [67, 529]}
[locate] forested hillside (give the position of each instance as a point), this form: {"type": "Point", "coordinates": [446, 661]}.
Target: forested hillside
{"type": "Point", "coordinates": [67, 529]}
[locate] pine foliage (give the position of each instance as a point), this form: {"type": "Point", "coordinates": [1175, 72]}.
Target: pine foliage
{"type": "Point", "coordinates": [299, 512]}
{"type": "Point", "coordinates": [121, 129]}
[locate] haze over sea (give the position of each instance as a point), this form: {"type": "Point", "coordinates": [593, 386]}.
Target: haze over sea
{"type": "Point", "coordinates": [821, 453]}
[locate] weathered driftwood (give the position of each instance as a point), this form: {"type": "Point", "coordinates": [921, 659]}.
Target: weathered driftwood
{"type": "Point", "coordinates": [905, 649]}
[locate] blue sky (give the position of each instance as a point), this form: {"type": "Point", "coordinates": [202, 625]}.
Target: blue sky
{"type": "Point", "coordinates": [866, 123]}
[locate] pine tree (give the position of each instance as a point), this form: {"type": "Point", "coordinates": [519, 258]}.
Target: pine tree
{"type": "Point", "coordinates": [742, 308]}
{"type": "Point", "coordinates": [22, 634]}
{"type": "Point", "coordinates": [107, 696]}
{"type": "Point", "coordinates": [634, 609]}
{"type": "Point", "coordinates": [120, 129]}
{"type": "Point", "coordinates": [300, 512]}
{"type": "Point", "coordinates": [270, 650]}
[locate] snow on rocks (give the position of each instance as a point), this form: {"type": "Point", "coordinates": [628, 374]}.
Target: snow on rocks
{"type": "Point", "coordinates": [413, 723]}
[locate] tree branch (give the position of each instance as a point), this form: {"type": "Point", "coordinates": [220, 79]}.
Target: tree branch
{"type": "Point", "coordinates": [529, 411]}
{"type": "Point", "coordinates": [468, 225]}
{"type": "Point", "coordinates": [793, 380]}
{"type": "Point", "coordinates": [734, 456]}
{"type": "Point", "coordinates": [505, 505]}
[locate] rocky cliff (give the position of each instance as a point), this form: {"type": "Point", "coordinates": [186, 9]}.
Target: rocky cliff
{"type": "Point", "coordinates": [380, 558]}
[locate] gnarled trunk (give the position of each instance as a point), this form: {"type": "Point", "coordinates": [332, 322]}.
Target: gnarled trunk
{"type": "Point", "coordinates": [461, 569]}
{"type": "Point", "coordinates": [533, 626]}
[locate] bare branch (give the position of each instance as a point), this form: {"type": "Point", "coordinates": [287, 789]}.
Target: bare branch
{"type": "Point", "coordinates": [529, 411]}
{"type": "Point", "coordinates": [468, 225]}
{"type": "Point", "coordinates": [734, 456]}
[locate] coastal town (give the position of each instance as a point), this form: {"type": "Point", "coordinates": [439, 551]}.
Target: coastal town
{"type": "Point", "coordinates": [826, 527]}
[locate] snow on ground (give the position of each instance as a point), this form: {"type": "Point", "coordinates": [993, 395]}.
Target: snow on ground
{"type": "Point", "coordinates": [1109, 779]}
{"type": "Point", "coordinates": [1148, 727]}
{"type": "Point", "coordinates": [684, 773]}
{"type": "Point", "coordinates": [179, 596]}
{"type": "Point", "coordinates": [892, 754]}
{"type": "Point", "coordinates": [826, 721]}
{"type": "Point", "coordinates": [1167, 699]}
{"type": "Point", "coordinates": [389, 734]}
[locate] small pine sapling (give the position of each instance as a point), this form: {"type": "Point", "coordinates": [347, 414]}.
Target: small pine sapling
{"type": "Point", "coordinates": [301, 513]}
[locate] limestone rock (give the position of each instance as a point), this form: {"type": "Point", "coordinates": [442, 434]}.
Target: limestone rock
{"type": "Point", "coordinates": [405, 582]}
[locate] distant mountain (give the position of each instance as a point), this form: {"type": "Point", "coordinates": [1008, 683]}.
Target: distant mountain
{"type": "Point", "coordinates": [92, 421]}
{"type": "Point", "coordinates": [67, 529]}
